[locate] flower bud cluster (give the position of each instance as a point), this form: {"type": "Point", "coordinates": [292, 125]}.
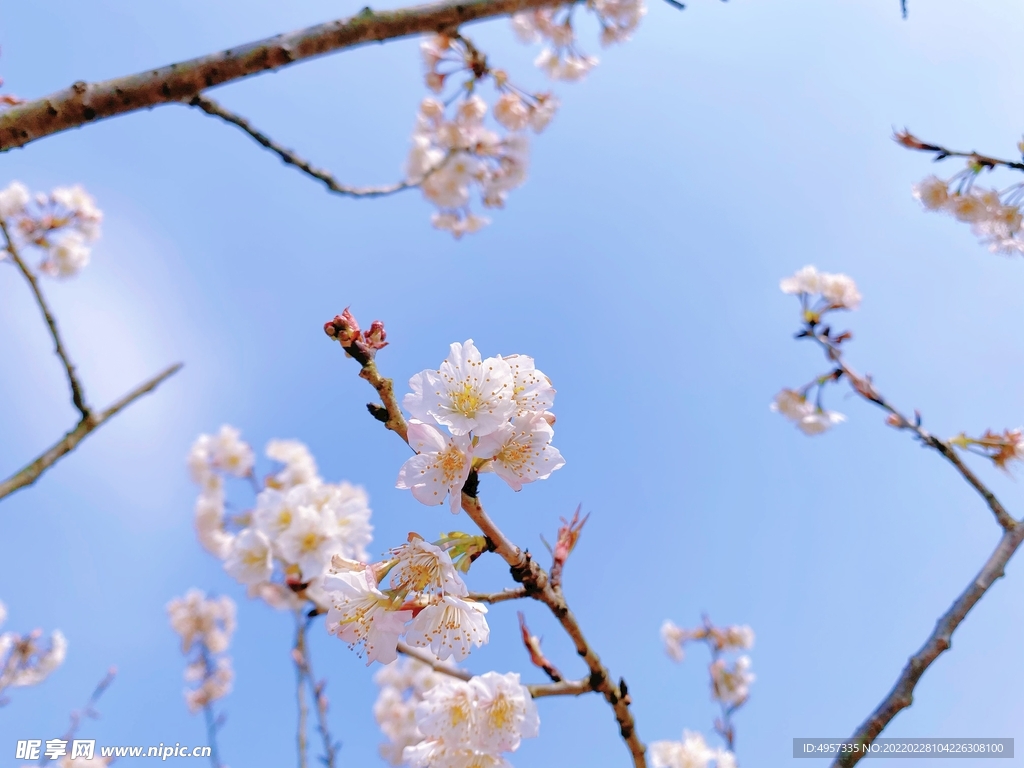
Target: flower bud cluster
{"type": "Point", "coordinates": [282, 545]}
{"type": "Point", "coordinates": [25, 660]}
{"type": "Point", "coordinates": [205, 626]}
{"type": "Point", "coordinates": [496, 412]}
{"type": "Point", "coordinates": [61, 225]}
{"type": "Point", "coordinates": [995, 217]}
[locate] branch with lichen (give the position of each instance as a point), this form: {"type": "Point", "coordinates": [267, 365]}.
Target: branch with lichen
{"type": "Point", "coordinates": [362, 346]}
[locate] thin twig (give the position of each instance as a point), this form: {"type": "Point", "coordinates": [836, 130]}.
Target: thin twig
{"type": "Point", "coordinates": [211, 107]}
{"type": "Point", "coordinates": [208, 716]}
{"type": "Point", "coordinates": [498, 597]}
{"type": "Point", "coordinates": [77, 394]}
{"type": "Point", "coordinates": [910, 141]}
{"type": "Point", "coordinates": [864, 387]}
{"type": "Point", "coordinates": [316, 689]}
{"type": "Point", "coordinates": [902, 694]}
{"type": "Point", "coordinates": [537, 690]}
{"type": "Point", "coordinates": [30, 473]}
{"type": "Point", "coordinates": [523, 568]}
{"type": "Point", "coordinates": [88, 102]}
{"type": "Point", "coordinates": [298, 653]}
{"type": "Point", "coordinates": [88, 711]}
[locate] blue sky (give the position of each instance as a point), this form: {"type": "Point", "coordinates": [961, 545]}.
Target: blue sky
{"type": "Point", "coordinates": [721, 149]}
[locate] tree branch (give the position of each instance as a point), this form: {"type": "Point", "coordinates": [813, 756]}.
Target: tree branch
{"type": "Point", "coordinates": [77, 394]}
{"type": "Point", "coordinates": [88, 102]}
{"type": "Point", "coordinates": [864, 387]}
{"type": "Point", "coordinates": [537, 690]}
{"type": "Point", "coordinates": [497, 597]}
{"type": "Point", "coordinates": [524, 569]}
{"type": "Point", "coordinates": [902, 694]}
{"type": "Point", "coordinates": [211, 107]}
{"type": "Point", "coordinates": [70, 441]}
{"type": "Point", "coordinates": [316, 689]}
{"type": "Point", "coordinates": [298, 654]}
{"type": "Point", "coordinates": [910, 141]}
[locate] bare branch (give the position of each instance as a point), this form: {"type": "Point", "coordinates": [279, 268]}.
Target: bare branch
{"type": "Point", "coordinates": [524, 569]}
{"type": "Point", "coordinates": [316, 689]}
{"type": "Point", "coordinates": [211, 107]}
{"type": "Point", "coordinates": [902, 694]}
{"type": "Point", "coordinates": [89, 710]}
{"type": "Point", "coordinates": [77, 394]}
{"type": "Point", "coordinates": [88, 102]}
{"type": "Point", "coordinates": [864, 387]}
{"type": "Point", "coordinates": [298, 656]}
{"type": "Point", "coordinates": [70, 441]}
{"type": "Point", "coordinates": [537, 690]}
{"type": "Point", "coordinates": [910, 141]}
{"type": "Point", "coordinates": [497, 597]}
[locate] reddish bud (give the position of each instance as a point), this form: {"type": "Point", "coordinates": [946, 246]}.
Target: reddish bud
{"type": "Point", "coordinates": [375, 337]}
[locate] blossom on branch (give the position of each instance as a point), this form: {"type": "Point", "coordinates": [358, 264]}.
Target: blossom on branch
{"type": "Point", "coordinates": [691, 752]}
{"type": "Point", "coordinates": [205, 626]}
{"type": "Point", "coordinates": [995, 217]}
{"type": "Point", "coordinates": [24, 660]}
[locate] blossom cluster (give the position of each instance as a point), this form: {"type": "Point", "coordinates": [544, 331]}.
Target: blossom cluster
{"type": "Point", "coordinates": [496, 412]}
{"type": "Point", "coordinates": [691, 752]}
{"type": "Point", "coordinates": [205, 625]}
{"type": "Point", "coordinates": [424, 599]}
{"type": "Point", "coordinates": [995, 217]}
{"type": "Point", "coordinates": [561, 59]}
{"type": "Point", "coordinates": [454, 150]}
{"type": "Point", "coordinates": [60, 225]}
{"type": "Point", "coordinates": [280, 547]}
{"type": "Point", "coordinates": [436, 720]}
{"type": "Point", "coordinates": [24, 660]}
{"type": "Point", "coordinates": [819, 294]}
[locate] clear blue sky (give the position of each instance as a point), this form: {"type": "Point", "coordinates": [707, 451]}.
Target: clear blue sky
{"type": "Point", "coordinates": [723, 148]}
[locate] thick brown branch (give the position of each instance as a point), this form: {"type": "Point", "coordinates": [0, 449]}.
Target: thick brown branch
{"type": "Point", "coordinates": [88, 102]}
{"type": "Point", "coordinates": [211, 107]}
{"type": "Point", "coordinates": [70, 441]}
{"type": "Point", "coordinates": [902, 694]}
{"type": "Point", "coordinates": [77, 394]}
{"type": "Point", "coordinates": [537, 690]}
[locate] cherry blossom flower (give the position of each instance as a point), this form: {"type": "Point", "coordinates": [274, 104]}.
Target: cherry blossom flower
{"type": "Point", "coordinates": [520, 451]}
{"type": "Point", "coordinates": [450, 627]}
{"type": "Point", "coordinates": [506, 712]}
{"type": "Point", "coordinates": [361, 614]}
{"type": "Point", "coordinates": [308, 542]}
{"type": "Point", "coordinates": [203, 621]}
{"type": "Point", "coordinates": [674, 637]}
{"type": "Point", "coordinates": [466, 394]}
{"type": "Point", "coordinates": [25, 661]}
{"type": "Point", "coordinates": [806, 280]}
{"type": "Point", "coordinates": [731, 686]}
{"type": "Point", "coordinates": [13, 200]}
{"type": "Point", "coordinates": [403, 684]}
{"type": "Point", "coordinates": [250, 560]}
{"type": "Point", "coordinates": [299, 464]}
{"type": "Point", "coordinates": [531, 389]}
{"type": "Point", "coordinates": [440, 467]}
{"type": "Point", "coordinates": [933, 193]}
{"type": "Point", "coordinates": [425, 567]}
{"type": "Point", "coordinates": [691, 752]}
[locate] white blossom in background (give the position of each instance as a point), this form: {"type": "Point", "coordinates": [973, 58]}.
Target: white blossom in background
{"type": "Point", "coordinates": [457, 155]}
{"type": "Point", "coordinates": [402, 685]}
{"type": "Point", "coordinates": [60, 226]}
{"type": "Point", "coordinates": [731, 685]}
{"type": "Point", "coordinates": [467, 723]}
{"type": "Point", "coordinates": [496, 410]}
{"type": "Point", "coordinates": [205, 625]}
{"type": "Point", "coordinates": [25, 660]}
{"type": "Point", "coordinates": [808, 418]}
{"type": "Point", "coordinates": [691, 752]}
{"type": "Point", "coordinates": [834, 291]}
{"type": "Point", "coordinates": [995, 217]}
{"type": "Point", "coordinates": [282, 545]}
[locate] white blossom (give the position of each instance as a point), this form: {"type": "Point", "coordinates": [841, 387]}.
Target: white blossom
{"type": "Point", "coordinates": [531, 389]}
{"type": "Point", "coordinates": [674, 637]}
{"type": "Point", "coordinates": [361, 614]}
{"type": "Point", "coordinates": [691, 752]}
{"type": "Point", "coordinates": [450, 627]}
{"type": "Point", "coordinates": [506, 712]}
{"type": "Point", "coordinates": [805, 280]}
{"type": "Point", "coordinates": [67, 257]}
{"type": "Point", "coordinates": [250, 560]}
{"type": "Point", "coordinates": [819, 421]}
{"type": "Point", "coordinates": [731, 686]}
{"type": "Point", "coordinates": [299, 464]}
{"type": "Point", "coordinates": [308, 542]}
{"type": "Point", "coordinates": [201, 620]}
{"type": "Point", "coordinates": [520, 451]}
{"type": "Point", "coordinates": [933, 193]}
{"type": "Point", "coordinates": [440, 467]}
{"type": "Point", "coordinates": [425, 567]}
{"type": "Point", "coordinates": [466, 394]}
{"type": "Point", "coordinates": [840, 291]}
